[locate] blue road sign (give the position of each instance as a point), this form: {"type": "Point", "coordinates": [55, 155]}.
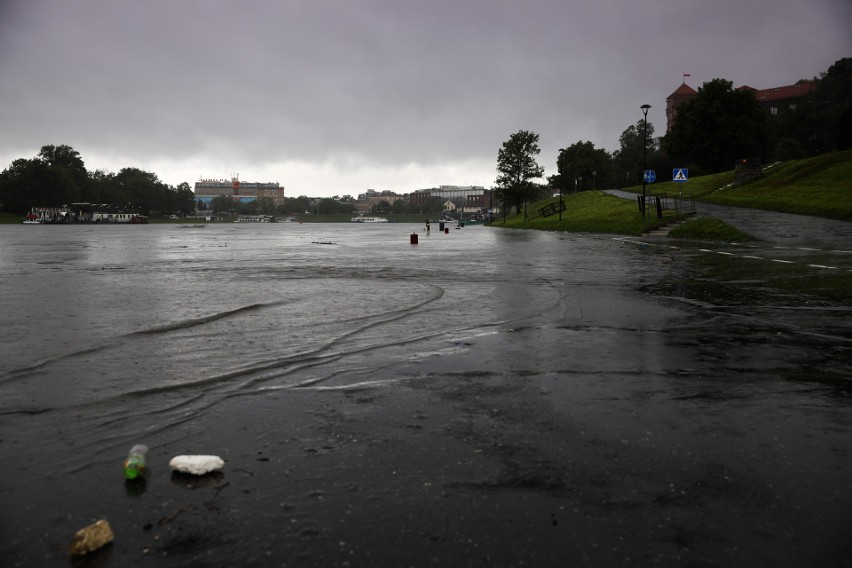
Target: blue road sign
{"type": "Point", "coordinates": [680, 174]}
{"type": "Point", "coordinates": [650, 176]}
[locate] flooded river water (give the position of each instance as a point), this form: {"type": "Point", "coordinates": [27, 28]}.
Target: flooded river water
{"type": "Point", "coordinates": [666, 401]}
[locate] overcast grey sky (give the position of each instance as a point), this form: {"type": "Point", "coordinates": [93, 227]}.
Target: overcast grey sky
{"type": "Point", "coordinates": [332, 97]}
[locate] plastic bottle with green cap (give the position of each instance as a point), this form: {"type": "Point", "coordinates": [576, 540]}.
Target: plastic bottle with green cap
{"type": "Point", "coordinates": [134, 465]}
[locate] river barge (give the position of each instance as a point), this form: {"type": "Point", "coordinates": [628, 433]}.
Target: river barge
{"type": "Point", "coordinates": [83, 213]}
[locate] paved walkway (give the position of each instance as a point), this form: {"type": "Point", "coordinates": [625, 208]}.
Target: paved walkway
{"type": "Point", "coordinates": [777, 228]}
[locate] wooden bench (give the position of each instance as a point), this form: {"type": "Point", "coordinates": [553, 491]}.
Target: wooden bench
{"type": "Point", "coordinates": [552, 208]}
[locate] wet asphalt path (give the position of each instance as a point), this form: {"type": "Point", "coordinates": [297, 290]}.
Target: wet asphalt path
{"type": "Point", "coordinates": [823, 244]}
{"type": "Point", "coordinates": [782, 229]}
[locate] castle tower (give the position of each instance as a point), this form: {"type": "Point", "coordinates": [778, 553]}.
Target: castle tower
{"type": "Point", "coordinates": [674, 100]}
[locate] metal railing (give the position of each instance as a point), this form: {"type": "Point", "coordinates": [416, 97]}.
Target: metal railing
{"type": "Point", "coordinates": [669, 205]}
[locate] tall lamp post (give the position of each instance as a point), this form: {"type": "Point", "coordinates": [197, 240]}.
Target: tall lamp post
{"type": "Point", "coordinates": [561, 185]}
{"type": "Point", "coordinates": [644, 156]}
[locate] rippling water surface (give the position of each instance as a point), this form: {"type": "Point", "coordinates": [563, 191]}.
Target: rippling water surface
{"type": "Point", "coordinates": [686, 353]}
{"type": "Point", "coordinates": [95, 313]}
{"type": "Point", "coordinates": [150, 325]}
{"type": "Point", "coordinates": [137, 320]}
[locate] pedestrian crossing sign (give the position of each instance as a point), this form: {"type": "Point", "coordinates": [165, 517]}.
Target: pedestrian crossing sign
{"type": "Point", "coordinates": [680, 174]}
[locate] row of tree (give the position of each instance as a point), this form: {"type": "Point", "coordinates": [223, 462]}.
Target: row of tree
{"type": "Point", "coordinates": [225, 204]}
{"type": "Point", "coordinates": [430, 205]}
{"type": "Point", "coordinates": [58, 176]}
{"type": "Point", "coordinates": [713, 130]}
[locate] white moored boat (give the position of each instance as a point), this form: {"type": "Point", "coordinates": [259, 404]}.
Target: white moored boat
{"type": "Point", "coordinates": [369, 220]}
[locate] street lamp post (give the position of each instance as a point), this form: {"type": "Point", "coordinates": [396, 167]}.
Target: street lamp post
{"type": "Point", "coordinates": [561, 185]}
{"type": "Point", "coordinates": [644, 156]}
{"type": "Point", "coordinates": [594, 179]}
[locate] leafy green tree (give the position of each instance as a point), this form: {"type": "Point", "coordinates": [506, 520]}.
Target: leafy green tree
{"type": "Point", "coordinates": [69, 166]}
{"type": "Point", "coordinates": [717, 127]}
{"type": "Point", "coordinates": [330, 206]}
{"type": "Point", "coordinates": [382, 207]}
{"type": "Point", "coordinates": [430, 205]}
{"type": "Point", "coordinates": [222, 204]}
{"type": "Point", "coordinates": [184, 199]}
{"type": "Point", "coordinates": [517, 168]}
{"type": "Point", "coordinates": [247, 207]}
{"type": "Point", "coordinates": [789, 148]}
{"type": "Point", "coordinates": [26, 184]}
{"type": "Point", "coordinates": [831, 106]}
{"type": "Point", "coordinates": [266, 206]}
{"type": "Point", "coordinates": [65, 156]}
{"type": "Point", "coordinates": [56, 176]}
{"type": "Point", "coordinates": [581, 166]}
{"type": "Point", "coordinates": [819, 122]}
{"type": "Point", "coordinates": [298, 205]}
{"type": "Point", "coordinates": [433, 205]}
{"type": "Point", "coordinates": [104, 188]}
{"type": "Point", "coordinates": [627, 161]}
{"type": "Point", "coordinates": [142, 190]}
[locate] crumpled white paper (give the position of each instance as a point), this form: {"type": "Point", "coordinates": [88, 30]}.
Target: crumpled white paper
{"type": "Point", "coordinates": [196, 465]}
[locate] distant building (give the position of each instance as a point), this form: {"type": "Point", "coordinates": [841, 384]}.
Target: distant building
{"type": "Point", "coordinates": [468, 198]}
{"type": "Point", "coordinates": [674, 100]}
{"type": "Point", "coordinates": [780, 97]}
{"type": "Point", "coordinates": [208, 189]}
{"type": "Point", "coordinates": [771, 99]}
{"type": "Point", "coordinates": [366, 201]}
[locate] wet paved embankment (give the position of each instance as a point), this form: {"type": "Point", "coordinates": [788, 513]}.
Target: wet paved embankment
{"type": "Point", "coordinates": [773, 227]}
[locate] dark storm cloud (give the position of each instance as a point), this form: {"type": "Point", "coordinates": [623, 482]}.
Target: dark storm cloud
{"type": "Point", "coordinates": [384, 84]}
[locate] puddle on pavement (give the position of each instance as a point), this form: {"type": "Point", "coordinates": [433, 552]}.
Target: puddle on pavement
{"type": "Point", "coordinates": [762, 318]}
{"type": "Point", "coordinates": [727, 280]}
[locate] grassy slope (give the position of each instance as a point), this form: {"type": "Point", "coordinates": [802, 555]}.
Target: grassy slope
{"type": "Point", "coordinates": [819, 186]}
{"type": "Point", "coordinates": [709, 228]}
{"type": "Point", "coordinates": [588, 212]}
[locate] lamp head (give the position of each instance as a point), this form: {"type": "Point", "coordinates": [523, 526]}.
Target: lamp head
{"type": "Point", "coordinates": [645, 109]}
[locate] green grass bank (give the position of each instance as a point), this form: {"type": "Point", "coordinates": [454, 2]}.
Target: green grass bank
{"type": "Point", "coordinates": [819, 186]}
{"type": "Point", "coordinates": [587, 212]}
